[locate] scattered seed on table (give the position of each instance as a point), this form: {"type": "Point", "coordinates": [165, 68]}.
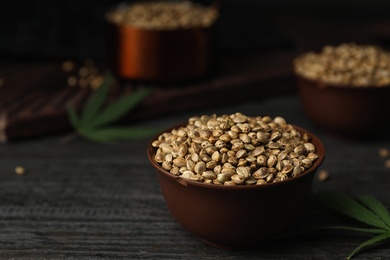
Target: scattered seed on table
{"type": "Point", "coordinates": [72, 81]}
{"type": "Point", "coordinates": [387, 163]}
{"type": "Point", "coordinates": [323, 175]}
{"type": "Point", "coordinates": [68, 65]}
{"type": "Point", "coordinates": [20, 170]}
{"type": "Point", "coordinates": [383, 152]}
{"type": "Point", "coordinates": [86, 75]}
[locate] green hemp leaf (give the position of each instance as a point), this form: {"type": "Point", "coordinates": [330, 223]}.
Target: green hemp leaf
{"type": "Point", "coordinates": [365, 209]}
{"type": "Point", "coordinates": [95, 121]}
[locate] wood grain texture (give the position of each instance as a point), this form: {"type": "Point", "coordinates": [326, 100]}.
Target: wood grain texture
{"type": "Point", "coordinates": [97, 201]}
{"type": "Point", "coordinates": [36, 104]}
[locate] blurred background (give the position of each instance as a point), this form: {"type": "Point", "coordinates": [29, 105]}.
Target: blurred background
{"type": "Point", "coordinates": [76, 28]}
{"type": "Point", "coordinates": [256, 42]}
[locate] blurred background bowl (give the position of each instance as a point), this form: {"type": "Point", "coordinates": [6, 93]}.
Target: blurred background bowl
{"type": "Point", "coordinates": [166, 55]}
{"type": "Point", "coordinates": [236, 216]}
{"type": "Point", "coordinates": [346, 111]}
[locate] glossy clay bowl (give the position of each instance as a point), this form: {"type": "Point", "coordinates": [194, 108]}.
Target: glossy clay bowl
{"type": "Point", "coordinates": [346, 111]}
{"type": "Point", "coordinates": [236, 216]}
{"type": "Point", "coordinates": [162, 56]}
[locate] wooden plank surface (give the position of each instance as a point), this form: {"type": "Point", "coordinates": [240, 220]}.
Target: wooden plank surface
{"type": "Point", "coordinates": [35, 104]}
{"type": "Point", "coordinates": [97, 201]}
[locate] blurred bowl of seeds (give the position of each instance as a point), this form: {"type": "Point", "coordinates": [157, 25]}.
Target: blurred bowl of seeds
{"type": "Point", "coordinates": [345, 89]}
{"type": "Point", "coordinates": [161, 41]}
{"type": "Point", "coordinates": [233, 180]}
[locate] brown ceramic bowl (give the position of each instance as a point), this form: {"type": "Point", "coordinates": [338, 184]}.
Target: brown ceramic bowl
{"type": "Point", "coordinates": [347, 111]}
{"type": "Point", "coordinates": [161, 56]}
{"type": "Point", "coordinates": [236, 216]}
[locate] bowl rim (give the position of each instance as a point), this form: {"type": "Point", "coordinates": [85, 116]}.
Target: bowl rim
{"type": "Point", "coordinates": [186, 182]}
{"type": "Point", "coordinates": [326, 85]}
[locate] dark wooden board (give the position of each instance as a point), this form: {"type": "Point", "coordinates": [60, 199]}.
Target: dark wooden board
{"type": "Point", "coordinates": [35, 95]}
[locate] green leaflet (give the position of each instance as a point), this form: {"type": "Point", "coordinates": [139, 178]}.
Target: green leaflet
{"type": "Point", "coordinates": [369, 242]}
{"type": "Point", "coordinates": [73, 118]}
{"type": "Point", "coordinates": [110, 134]}
{"type": "Point", "coordinates": [94, 122]}
{"type": "Point", "coordinates": [351, 208]}
{"type": "Point", "coordinates": [363, 230]}
{"type": "Point", "coordinates": [119, 108]}
{"type": "Point", "coordinates": [375, 206]}
{"type": "Point", "coordinates": [95, 102]}
{"type": "Point", "coordinates": [366, 209]}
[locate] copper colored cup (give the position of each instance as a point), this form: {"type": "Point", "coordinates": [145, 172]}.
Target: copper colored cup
{"type": "Point", "coordinates": [236, 216]}
{"type": "Point", "coordinates": [346, 111]}
{"type": "Point", "coordinates": [160, 55]}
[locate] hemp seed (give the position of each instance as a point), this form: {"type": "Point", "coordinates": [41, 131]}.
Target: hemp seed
{"type": "Point", "coordinates": [163, 15]}
{"type": "Point", "coordinates": [387, 163]}
{"type": "Point", "coordinates": [68, 66]}
{"type": "Point", "coordinates": [383, 152]}
{"type": "Point", "coordinates": [346, 64]}
{"type": "Point", "coordinates": [323, 175]}
{"type": "Point", "coordinates": [20, 170]}
{"type": "Point", "coordinates": [206, 150]}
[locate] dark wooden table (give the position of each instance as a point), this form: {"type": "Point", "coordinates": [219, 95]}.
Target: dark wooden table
{"type": "Point", "coordinates": [87, 200]}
